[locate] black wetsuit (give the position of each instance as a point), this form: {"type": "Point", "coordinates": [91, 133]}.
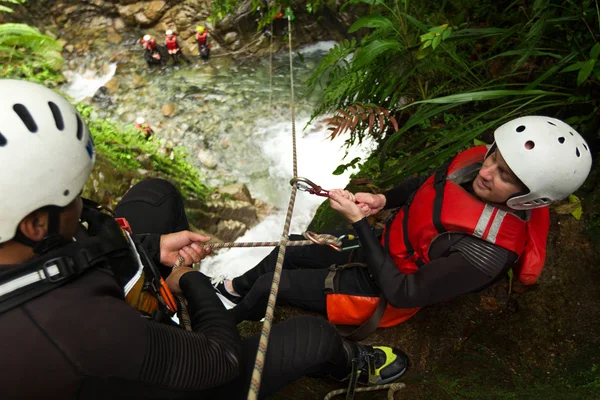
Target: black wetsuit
{"type": "Point", "coordinates": [459, 264]}
{"type": "Point", "coordinates": [82, 341]}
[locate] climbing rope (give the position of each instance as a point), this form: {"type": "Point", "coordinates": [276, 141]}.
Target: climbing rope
{"type": "Point", "coordinates": [312, 238]}
{"type": "Point", "coordinates": [271, 67]}
{"type": "Point", "coordinates": [266, 329]}
{"type": "Point", "coordinates": [392, 389]}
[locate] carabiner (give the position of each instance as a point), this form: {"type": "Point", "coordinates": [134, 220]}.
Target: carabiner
{"type": "Point", "coordinates": [309, 186]}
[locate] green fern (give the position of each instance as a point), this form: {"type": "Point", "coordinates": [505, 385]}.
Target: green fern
{"type": "Point", "coordinates": [19, 42]}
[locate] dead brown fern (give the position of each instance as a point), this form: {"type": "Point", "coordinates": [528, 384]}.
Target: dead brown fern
{"type": "Point", "coordinates": [359, 116]}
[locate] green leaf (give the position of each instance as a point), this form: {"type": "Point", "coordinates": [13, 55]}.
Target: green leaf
{"type": "Point", "coordinates": [372, 21]}
{"type": "Point", "coordinates": [427, 36]}
{"type": "Point", "coordinates": [573, 67]}
{"type": "Point", "coordinates": [374, 49]}
{"type": "Point", "coordinates": [436, 42]}
{"type": "Point", "coordinates": [300, 56]}
{"type": "Point", "coordinates": [595, 52]}
{"type": "Point", "coordinates": [585, 71]}
{"type": "Point", "coordinates": [427, 44]}
{"type": "Point", "coordinates": [578, 211]}
{"type": "Point", "coordinates": [446, 33]}
{"type": "Point", "coordinates": [477, 142]}
{"type": "Point", "coordinates": [483, 95]}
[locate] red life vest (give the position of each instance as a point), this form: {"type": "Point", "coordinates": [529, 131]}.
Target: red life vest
{"type": "Point", "coordinates": [171, 43]}
{"type": "Point", "coordinates": [202, 39]}
{"type": "Point", "coordinates": [150, 45]}
{"type": "Point", "coordinates": [439, 206]}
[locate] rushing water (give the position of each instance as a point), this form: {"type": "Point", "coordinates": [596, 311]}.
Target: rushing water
{"type": "Point", "coordinates": [223, 115]}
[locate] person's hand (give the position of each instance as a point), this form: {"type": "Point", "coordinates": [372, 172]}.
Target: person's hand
{"type": "Point", "coordinates": [370, 203]}
{"type": "Point", "coordinates": [343, 202]}
{"type": "Point", "coordinates": [175, 276]}
{"type": "Point", "coordinates": [186, 244]}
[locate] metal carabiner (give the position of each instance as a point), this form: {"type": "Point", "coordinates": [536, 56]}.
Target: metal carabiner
{"type": "Point", "coordinates": [308, 186]}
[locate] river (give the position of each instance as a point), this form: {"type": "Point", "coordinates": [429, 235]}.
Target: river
{"type": "Point", "coordinates": [223, 116]}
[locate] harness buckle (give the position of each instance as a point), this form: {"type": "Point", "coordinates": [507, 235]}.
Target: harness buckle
{"type": "Point", "coordinates": [66, 268]}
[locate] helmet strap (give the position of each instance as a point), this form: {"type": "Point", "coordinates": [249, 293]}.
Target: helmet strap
{"type": "Point", "coordinates": [52, 240]}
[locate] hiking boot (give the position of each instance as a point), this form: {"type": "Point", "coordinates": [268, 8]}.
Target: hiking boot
{"type": "Point", "coordinates": [375, 365]}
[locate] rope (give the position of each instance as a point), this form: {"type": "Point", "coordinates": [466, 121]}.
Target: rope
{"type": "Point", "coordinates": [312, 238]}
{"type": "Point", "coordinates": [271, 67]}
{"type": "Point", "coordinates": [184, 314]}
{"type": "Point", "coordinates": [266, 329]}
{"type": "Point", "coordinates": [392, 388]}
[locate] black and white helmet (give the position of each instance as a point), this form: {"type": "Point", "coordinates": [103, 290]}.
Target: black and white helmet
{"type": "Point", "coordinates": [547, 155]}
{"type": "Point", "coordinates": [46, 152]}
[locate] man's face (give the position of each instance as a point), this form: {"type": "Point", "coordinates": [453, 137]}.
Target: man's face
{"type": "Point", "coordinates": [69, 218]}
{"type": "Point", "coordinates": [496, 182]}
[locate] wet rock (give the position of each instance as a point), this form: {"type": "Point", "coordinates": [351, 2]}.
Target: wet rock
{"type": "Point", "coordinates": [102, 97]}
{"type": "Point", "coordinates": [207, 158]}
{"type": "Point", "coordinates": [112, 86]}
{"type": "Point", "coordinates": [192, 90]}
{"type": "Point", "coordinates": [234, 210]}
{"type": "Point", "coordinates": [231, 37]}
{"type": "Point", "coordinates": [119, 24]}
{"type": "Point", "coordinates": [98, 21]}
{"type": "Point", "coordinates": [69, 48]}
{"type": "Point", "coordinates": [238, 191]}
{"type": "Point", "coordinates": [168, 110]}
{"type": "Point", "coordinates": [114, 38]}
{"type": "Point", "coordinates": [137, 81]}
{"type": "Point", "coordinates": [143, 13]}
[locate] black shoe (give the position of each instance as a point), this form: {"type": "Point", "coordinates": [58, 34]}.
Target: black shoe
{"type": "Point", "coordinates": [376, 365]}
{"type": "Point", "coordinates": [220, 288]}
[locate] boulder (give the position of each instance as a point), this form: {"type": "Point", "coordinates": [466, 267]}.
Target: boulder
{"type": "Point", "coordinates": [168, 110]}
{"type": "Point", "coordinates": [137, 81]}
{"type": "Point", "coordinates": [143, 13]}
{"type": "Point", "coordinates": [112, 86]}
{"type": "Point", "coordinates": [231, 37]}
{"type": "Point", "coordinates": [238, 191]}
{"type": "Point", "coordinates": [207, 158]}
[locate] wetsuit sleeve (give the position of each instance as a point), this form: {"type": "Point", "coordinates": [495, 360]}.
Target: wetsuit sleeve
{"type": "Point", "coordinates": [399, 195]}
{"type": "Point", "coordinates": [207, 357]}
{"type": "Point", "coordinates": [464, 267]}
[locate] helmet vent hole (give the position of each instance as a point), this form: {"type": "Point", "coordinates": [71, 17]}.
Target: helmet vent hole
{"type": "Point", "coordinates": [529, 145]}
{"type": "Point", "coordinates": [577, 152]}
{"type": "Point", "coordinates": [585, 146]}
{"type": "Point", "coordinates": [551, 123]}
{"type": "Point", "coordinates": [58, 119]}
{"type": "Point", "coordinates": [66, 193]}
{"type": "Point", "coordinates": [27, 119]}
{"type": "Point", "coordinates": [572, 134]}
{"type": "Point", "coordinates": [561, 140]}
{"type": "Point", "coordinates": [2, 140]}
{"type": "Point", "coordinates": [79, 128]}
{"type": "Point", "coordinates": [520, 128]}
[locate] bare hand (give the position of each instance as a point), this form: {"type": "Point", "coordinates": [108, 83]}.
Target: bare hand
{"type": "Point", "coordinates": [186, 244]}
{"type": "Point", "coordinates": [370, 203]}
{"type": "Point", "coordinates": [343, 202]}
{"type": "Point", "coordinates": [175, 276]}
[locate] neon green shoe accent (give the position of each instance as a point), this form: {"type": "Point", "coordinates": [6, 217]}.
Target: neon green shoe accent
{"type": "Point", "coordinates": [390, 357]}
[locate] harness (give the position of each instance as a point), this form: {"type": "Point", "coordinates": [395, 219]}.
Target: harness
{"type": "Point", "coordinates": [104, 244]}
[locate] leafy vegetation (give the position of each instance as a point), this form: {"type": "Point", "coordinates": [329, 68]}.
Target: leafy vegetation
{"type": "Point", "coordinates": [450, 73]}
{"type": "Point", "coordinates": [127, 149]}
{"type": "Point", "coordinates": [27, 53]}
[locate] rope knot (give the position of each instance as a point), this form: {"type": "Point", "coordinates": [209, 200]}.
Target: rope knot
{"type": "Point", "coordinates": [324, 239]}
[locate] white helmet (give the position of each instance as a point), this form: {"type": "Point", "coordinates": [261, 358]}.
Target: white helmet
{"type": "Point", "coordinates": [169, 32]}
{"type": "Point", "coordinates": [140, 120]}
{"type": "Point", "coordinates": [547, 155]}
{"type": "Point", "coordinates": [147, 38]}
{"type": "Point", "coordinates": [46, 152]}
